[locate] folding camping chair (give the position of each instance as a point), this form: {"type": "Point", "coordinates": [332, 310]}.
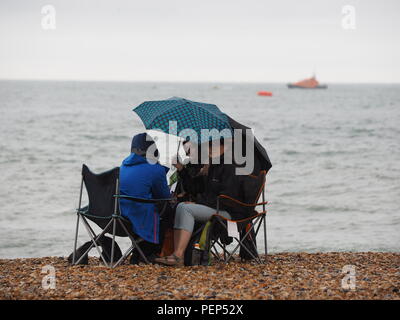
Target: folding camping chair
{"type": "Point", "coordinates": [253, 188]}
{"type": "Point", "coordinates": [103, 210]}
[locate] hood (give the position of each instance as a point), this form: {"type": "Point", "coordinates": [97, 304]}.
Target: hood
{"type": "Point", "coordinates": [134, 159]}
{"type": "Point", "coordinates": [142, 141]}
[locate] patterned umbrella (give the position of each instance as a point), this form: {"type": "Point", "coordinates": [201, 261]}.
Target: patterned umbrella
{"type": "Point", "coordinates": [262, 161]}
{"type": "Point", "coordinates": [187, 114]}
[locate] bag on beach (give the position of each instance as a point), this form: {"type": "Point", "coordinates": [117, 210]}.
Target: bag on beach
{"type": "Point", "coordinates": [106, 245]}
{"type": "Point", "coordinates": [79, 252]}
{"type": "Point", "coordinates": [197, 251]}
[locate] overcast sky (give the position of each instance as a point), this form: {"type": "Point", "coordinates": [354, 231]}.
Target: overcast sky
{"type": "Point", "coordinates": [201, 40]}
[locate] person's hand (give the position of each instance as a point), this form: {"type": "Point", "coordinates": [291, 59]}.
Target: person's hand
{"type": "Point", "coordinates": [176, 162]}
{"type": "Point", "coordinates": [204, 170]}
{"type": "Point", "coordinates": [188, 202]}
{"type": "Point", "coordinates": [178, 166]}
{"type": "Point", "coordinates": [173, 201]}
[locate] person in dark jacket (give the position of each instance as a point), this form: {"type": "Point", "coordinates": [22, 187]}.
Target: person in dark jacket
{"type": "Point", "coordinates": [220, 179]}
{"type": "Point", "coordinates": [141, 176]}
{"type": "Point", "coordinates": [190, 182]}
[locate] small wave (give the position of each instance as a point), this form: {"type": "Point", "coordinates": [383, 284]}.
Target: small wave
{"type": "Point", "coordinates": [334, 152]}
{"type": "Point", "coordinates": [322, 208]}
{"type": "Point", "coordinates": [386, 177]}
{"type": "Point", "coordinates": [91, 137]}
{"type": "Point", "coordinates": [318, 208]}
{"type": "Point", "coordinates": [290, 194]}
{"type": "Point", "coordinates": [356, 132]}
{"type": "Point", "coordinates": [290, 152]}
{"type": "Point", "coordinates": [118, 138]}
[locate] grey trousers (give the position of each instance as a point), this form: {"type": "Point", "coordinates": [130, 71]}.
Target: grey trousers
{"type": "Point", "coordinates": [187, 213]}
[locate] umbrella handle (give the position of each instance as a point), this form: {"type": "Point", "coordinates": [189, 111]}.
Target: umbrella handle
{"type": "Point", "coordinates": [177, 150]}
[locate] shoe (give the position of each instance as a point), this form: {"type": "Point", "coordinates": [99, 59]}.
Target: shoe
{"type": "Point", "coordinates": [171, 260]}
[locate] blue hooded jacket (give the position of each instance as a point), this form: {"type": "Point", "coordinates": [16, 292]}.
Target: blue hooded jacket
{"type": "Point", "coordinates": [139, 178]}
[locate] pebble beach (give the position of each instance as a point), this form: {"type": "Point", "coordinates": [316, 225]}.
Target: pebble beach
{"type": "Point", "coordinates": [293, 276]}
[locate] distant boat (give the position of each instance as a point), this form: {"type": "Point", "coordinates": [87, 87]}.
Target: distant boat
{"type": "Point", "coordinates": [265, 93]}
{"type": "Point", "coordinates": [310, 83]}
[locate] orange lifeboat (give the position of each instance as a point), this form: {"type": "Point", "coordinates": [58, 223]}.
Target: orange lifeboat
{"type": "Point", "coordinates": [265, 93]}
{"type": "Point", "coordinates": [310, 83]}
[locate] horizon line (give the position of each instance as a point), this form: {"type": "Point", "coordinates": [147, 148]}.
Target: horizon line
{"type": "Point", "coordinates": [183, 82]}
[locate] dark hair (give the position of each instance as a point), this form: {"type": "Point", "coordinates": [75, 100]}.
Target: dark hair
{"type": "Point", "coordinates": [221, 142]}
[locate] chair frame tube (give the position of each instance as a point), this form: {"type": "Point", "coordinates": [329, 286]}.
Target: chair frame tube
{"type": "Point", "coordinates": [265, 225]}
{"type": "Point", "coordinates": [77, 222]}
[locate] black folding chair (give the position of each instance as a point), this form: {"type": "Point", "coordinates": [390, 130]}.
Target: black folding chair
{"type": "Point", "coordinates": [253, 187]}
{"type": "Point", "coordinates": [103, 209]}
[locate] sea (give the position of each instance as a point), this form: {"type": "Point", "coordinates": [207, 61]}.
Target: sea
{"type": "Point", "coordinates": [334, 184]}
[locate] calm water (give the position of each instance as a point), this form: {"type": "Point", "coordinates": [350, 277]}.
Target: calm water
{"type": "Point", "coordinates": [334, 185]}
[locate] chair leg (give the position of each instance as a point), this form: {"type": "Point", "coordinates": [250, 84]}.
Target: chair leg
{"type": "Point", "coordinates": [265, 225]}
{"type": "Point", "coordinates": [265, 237]}
{"type": "Point", "coordinates": [90, 232]}
{"type": "Point", "coordinates": [94, 239]}
{"type": "Point", "coordinates": [123, 257]}
{"type": "Point", "coordinates": [114, 222]}
{"type": "Point", "coordinates": [230, 255]}
{"type": "Point", "coordinates": [113, 242]}
{"type": "Point", "coordinates": [240, 242]}
{"type": "Point", "coordinates": [77, 222]}
{"type": "Point", "coordinates": [260, 222]}
{"type": "Point", "coordinates": [215, 252]}
{"type": "Point", "coordinates": [223, 247]}
{"type": "Point", "coordinates": [134, 242]}
{"type": "Point", "coordinates": [224, 252]}
{"type": "Point", "coordinates": [258, 259]}
{"type": "Point", "coordinates": [76, 238]}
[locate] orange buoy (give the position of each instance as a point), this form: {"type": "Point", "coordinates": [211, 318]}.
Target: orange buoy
{"type": "Point", "coordinates": [265, 93]}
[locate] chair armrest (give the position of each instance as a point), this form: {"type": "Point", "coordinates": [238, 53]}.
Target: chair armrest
{"type": "Point", "coordinates": [240, 220]}
{"type": "Point", "coordinates": [223, 196]}
{"type": "Point", "coordinates": [142, 200]}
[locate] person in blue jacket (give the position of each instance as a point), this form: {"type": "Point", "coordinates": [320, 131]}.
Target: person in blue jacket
{"type": "Point", "coordinates": [143, 177]}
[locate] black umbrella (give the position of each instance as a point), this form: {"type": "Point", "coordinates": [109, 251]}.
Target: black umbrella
{"type": "Point", "coordinates": [261, 159]}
